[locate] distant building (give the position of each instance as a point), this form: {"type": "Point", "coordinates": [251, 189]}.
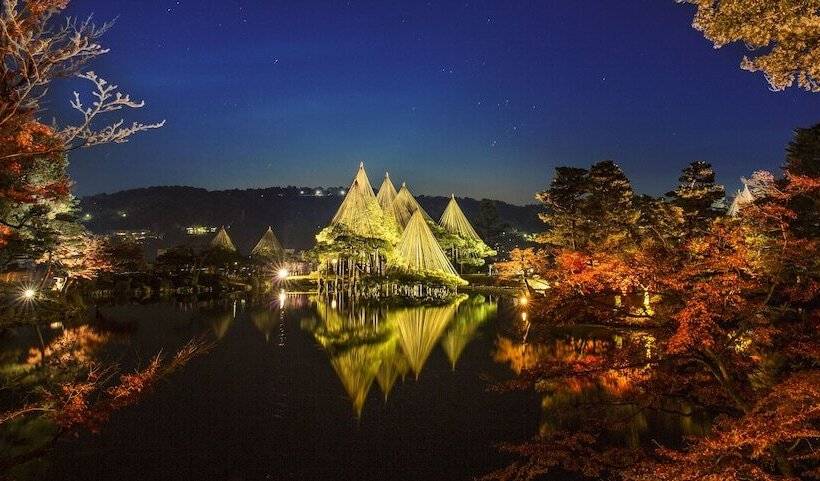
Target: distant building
{"type": "Point", "coordinates": [200, 230]}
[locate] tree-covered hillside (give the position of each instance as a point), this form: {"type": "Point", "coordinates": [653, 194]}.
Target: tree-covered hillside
{"type": "Point", "coordinates": [296, 214]}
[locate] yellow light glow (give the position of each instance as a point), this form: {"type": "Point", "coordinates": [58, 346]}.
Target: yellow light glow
{"type": "Point", "coordinates": [283, 296]}
{"type": "Point", "coordinates": [29, 294]}
{"type": "Point", "coordinates": [524, 316]}
{"type": "Point", "coordinates": [282, 273]}
{"type": "Point", "coordinates": [523, 300]}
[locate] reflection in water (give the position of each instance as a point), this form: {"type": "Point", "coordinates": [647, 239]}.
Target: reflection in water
{"type": "Point", "coordinates": [222, 323]}
{"type": "Point", "coordinates": [472, 313]}
{"type": "Point", "coordinates": [569, 399]}
{"type": "Point", "coordinates": [368, 343]}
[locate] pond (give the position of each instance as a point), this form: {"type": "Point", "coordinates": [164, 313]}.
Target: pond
{"type": "Point", "coordinates": [306, 388]}
{"type": "Point", "coordinates": [314, 390]}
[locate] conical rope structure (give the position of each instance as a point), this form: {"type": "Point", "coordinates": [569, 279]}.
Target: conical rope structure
{"type": "Point", "coordinates": [268, 245]}
{"type": "Point", "coordinates": [223, 241]}
{"type": "Point", "coordinates": [360, 211]}
{"type": "Point", "coordinates": [419, 251]}
{"type": "Point", "coordinates": [387, 192]}
{"type": "Point", "coordinates": [454, 221]}
{"type": "Point", "coordinates": [405, 205]}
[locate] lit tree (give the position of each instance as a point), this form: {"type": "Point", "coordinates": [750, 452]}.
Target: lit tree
{"type": "Point", "coordinates": [697, 193]}
{"type": "Point", "coordinates": [734, 333]}
{"type": "Point", "coordinates": [786, 33]}
{"type": "Point", "coordinates": [36, 50]}
{"type": "Point", "coordinates": [609, 208]}
{"type": "Point", "coordinates": [564, 201]}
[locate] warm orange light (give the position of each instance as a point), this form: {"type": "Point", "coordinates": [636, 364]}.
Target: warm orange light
{"type": "Point", "coordinates": [523, 300]}
{"type": "Point", "coordinates": [282, 273]}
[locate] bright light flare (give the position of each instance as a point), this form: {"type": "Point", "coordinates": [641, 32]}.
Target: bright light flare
{"type": "Point", "coordinates": [523, 301]}
{"type": "Point", "coordinates": [27, 295]}
{"type": "Point", "coordinates": [282, 274]}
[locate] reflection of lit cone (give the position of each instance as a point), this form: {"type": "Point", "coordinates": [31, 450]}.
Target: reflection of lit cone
{"type": "Point", "coordinates": [393, 366]}
{"type": "Point", "coordinates": [467, 320]}
{"type": "Point", "coordinates": [419, 330]}
{"type": "Point", "coordinates": [264, 320]}
{"type": "Point", "coordinates": [221, 325]}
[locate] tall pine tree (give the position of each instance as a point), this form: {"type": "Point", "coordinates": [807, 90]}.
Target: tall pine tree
{"type": "Point", "coordinates": [696, 194]}
{"type": "Point", "coordinates": [610, 207]}
{"type": "Point", "coordinates": [564, 201]}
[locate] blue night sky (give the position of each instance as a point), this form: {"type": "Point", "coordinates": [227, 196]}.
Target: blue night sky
{"type": "Point", "coordinates": [479, 98]}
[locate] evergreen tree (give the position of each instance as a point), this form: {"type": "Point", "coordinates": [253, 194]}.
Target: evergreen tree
{"type": "Point", "coordinates": [564, 201]}
{"type": "Point", "coordinates": [803, 159]}
{"type": "Point", "coordinates": [488, 224]}
{"type": "Point", "coordinates": [803, 152]}
{"type": "Point", "coordinates": [696, 194]}
{"type": "Point", "coordinates": [610, 207]}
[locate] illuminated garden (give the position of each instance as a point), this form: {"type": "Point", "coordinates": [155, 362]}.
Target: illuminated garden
{"type": "Point", "coordinates": [207, 284]}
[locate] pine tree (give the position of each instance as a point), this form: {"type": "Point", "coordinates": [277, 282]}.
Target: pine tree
{"type": "Point", "coordinates": [696, 194]}
{"type": "Point", "coordinates": [803, 152]}
{"type": "Point", "coordinates": [564, 201]}
{"type": "Point", "coordinates": [610, 207]}
{"type": "Point", "coordinates": [803, 159]}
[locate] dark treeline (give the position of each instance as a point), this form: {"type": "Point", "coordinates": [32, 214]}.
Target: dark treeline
{"type": "Point", "coordinates": [295, 218]}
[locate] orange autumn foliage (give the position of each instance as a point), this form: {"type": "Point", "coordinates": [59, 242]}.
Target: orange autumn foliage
{"type": "Point", "coordinates": [733, 324]}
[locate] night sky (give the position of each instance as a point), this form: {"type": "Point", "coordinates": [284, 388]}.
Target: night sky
{"type": "Point", "coordinates": [479, 98]}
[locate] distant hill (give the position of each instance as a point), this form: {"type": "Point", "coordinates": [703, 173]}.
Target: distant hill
{"type": "Point", "coordinates": [296, 214]}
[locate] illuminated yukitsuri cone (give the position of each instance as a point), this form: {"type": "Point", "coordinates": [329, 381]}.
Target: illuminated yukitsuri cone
{"type": "Point", "coordinates": [387, 192]}
{"type": "Point", "coordinates": [420, 251]}
{"type": "Point", "coordinates": [223, 241]}
{"type": "Point", "coordinates": [268, 245]}
{"type": "Point", "coordinates": [405, 205]}
{"type": "Point", "coordinates": [360, 211]}
{"type": "Point", "coordinates": [455, 222]}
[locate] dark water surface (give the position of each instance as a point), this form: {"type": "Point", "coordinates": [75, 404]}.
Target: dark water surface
{"type": "Point", "coordinates": [312, 391]}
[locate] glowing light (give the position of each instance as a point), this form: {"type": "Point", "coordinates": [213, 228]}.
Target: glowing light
{"type": "Point", "coordinates": [29, 294]}
{"type": "Point", "coordinates": [282, 273]}
{"type": "Point", "coordinates": [283, 296]}
{"type": "Point", "coordinates": [523, 301]}
{"type": "Point", "coordinates": [333, 304]}
{"type": "Point", "coordinates": [318, 193]}
{"type": "Point", "coordinates": [342, 192]}
{"type": "Point", "coordinates": [524, 316]}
